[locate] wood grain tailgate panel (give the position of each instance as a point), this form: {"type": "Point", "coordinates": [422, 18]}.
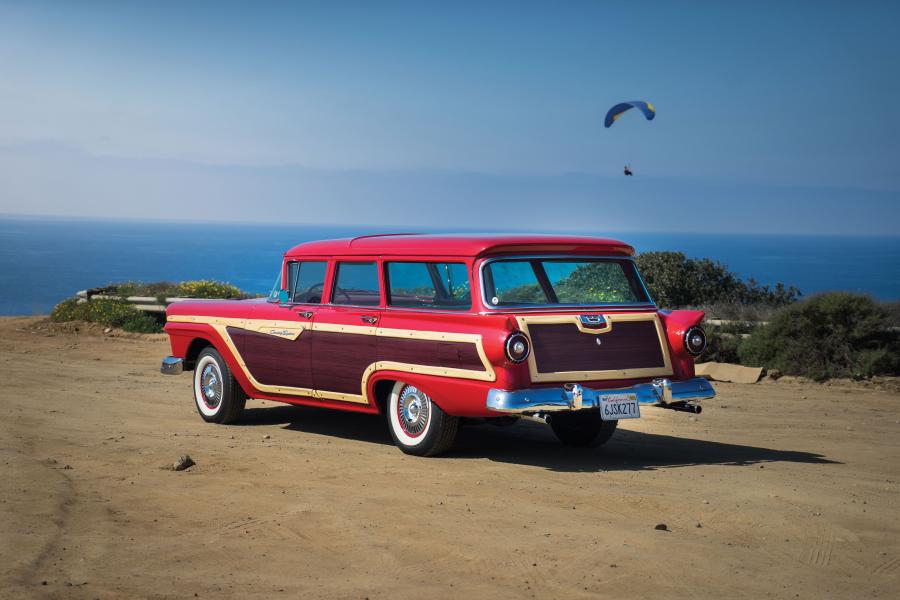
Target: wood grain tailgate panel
{"type": "Point", "coordinates": [629, 345]}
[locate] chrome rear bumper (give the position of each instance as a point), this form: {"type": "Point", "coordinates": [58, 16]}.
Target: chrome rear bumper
{"type": "Point", "coordinates": [171, 366]}
{"type": "Point", "coordinates": [661, 392]}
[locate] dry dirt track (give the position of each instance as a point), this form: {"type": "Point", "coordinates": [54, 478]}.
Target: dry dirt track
{"type": "Point", "coordinates": [777, 490]}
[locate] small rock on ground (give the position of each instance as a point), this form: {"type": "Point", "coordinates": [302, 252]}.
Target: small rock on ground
{"type": "Point", "coordinates": [183, 463]}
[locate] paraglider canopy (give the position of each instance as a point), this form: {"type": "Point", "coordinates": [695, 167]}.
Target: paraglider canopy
{"type": "Point", "coordinates": [619, 109]}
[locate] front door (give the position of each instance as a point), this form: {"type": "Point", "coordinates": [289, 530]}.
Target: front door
{"type": "Point", "coordinates": [276, 342]}
{"type": "Point", "coordinates": [344, 341]}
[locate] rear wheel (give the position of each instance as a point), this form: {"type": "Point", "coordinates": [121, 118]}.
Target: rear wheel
{"type": "Point", "coordinates": [417, 424]}
{"type": "Point", "coordinates": [582, 428]}
{"type": "Point", "coordinates": [219, 398]}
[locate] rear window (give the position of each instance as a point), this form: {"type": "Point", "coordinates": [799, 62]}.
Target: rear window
{"type": "Point", "coordinates": [436, 285]}
{"type": "Point", "coordinates": [356, 283]}
{"type": "Point", "coordinates": [578, 282]}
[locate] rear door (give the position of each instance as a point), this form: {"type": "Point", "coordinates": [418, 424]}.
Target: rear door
{"type": "Point", "coordinates": [344, 344]}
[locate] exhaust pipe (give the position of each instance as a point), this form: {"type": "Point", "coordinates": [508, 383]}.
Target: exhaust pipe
{"type": "Point", "coordinates": [684, 407]}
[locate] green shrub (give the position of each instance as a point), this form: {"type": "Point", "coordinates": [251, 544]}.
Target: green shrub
{"type": "Point", "coordinates": [831, 335]}
{"type": "Point", "coordinates": [735, 311]}
{"type": "Point", "coordinates": [108, 312]}
{"type": "Point", "coordinates": [67, 310]}
{"type": "Point", "coordinates": [721, 346]}
{"type": "Point", "coordinates": [893, 310]}
{"type": "Point", "coordinates": [161, 290]}
{"type": "Point", "coordinates": [206, 288]}
{"type": "Point", "coordinates": [675, 280]}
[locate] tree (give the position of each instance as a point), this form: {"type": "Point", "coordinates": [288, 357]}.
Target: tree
{"type": "Point", "coordinates": [675, 280]}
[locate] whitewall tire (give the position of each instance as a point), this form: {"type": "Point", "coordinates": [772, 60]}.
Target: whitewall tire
{"type": "Point", "coordinates": [218, 397]}
{"type": "Point", "coordinates": [417, 424]}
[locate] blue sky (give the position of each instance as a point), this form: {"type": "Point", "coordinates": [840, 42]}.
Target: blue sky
{"type": "Point", "coordinates": [772, 117]}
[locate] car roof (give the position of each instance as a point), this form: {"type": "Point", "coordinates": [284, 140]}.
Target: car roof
{"type": "Point", "coordinates": [468, 245]}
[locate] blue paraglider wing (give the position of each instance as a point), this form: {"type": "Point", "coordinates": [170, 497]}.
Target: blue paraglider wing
{"type": "Point", "coordinates": [619, 109]}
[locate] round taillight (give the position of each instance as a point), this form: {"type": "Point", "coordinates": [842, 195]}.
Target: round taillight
{"type": "Point", "coordinates": [517, 347]}
{"type": "Point", "coordinates": [695, 340]}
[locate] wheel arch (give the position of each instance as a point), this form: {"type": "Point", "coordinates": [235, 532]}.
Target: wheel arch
{"type": "Point", "coordinates": [462, 398]}
{"type": "Point", "coordinates": [193, 351]}
{"type": "Point", "coordinates": [381, 392]}
{"type": "Point", "coordinates": [188, 343]}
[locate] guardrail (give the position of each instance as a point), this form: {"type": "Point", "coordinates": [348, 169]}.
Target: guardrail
{"type": "Point", "coordinates": [720, 322]}
{"type": "Point", "coordinates": [144, 303]}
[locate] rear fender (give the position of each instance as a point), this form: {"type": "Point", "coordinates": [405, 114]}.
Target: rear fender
{"type": "Point", "coordinates": [457, 397]}
{"type": "Point", "coordinates": [676, 323]}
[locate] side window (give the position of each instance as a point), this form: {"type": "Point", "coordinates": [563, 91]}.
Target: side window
{"type": "Point", "coordinates": [356, 283]}
{"type": "Point", "coordinates": [429, 285]}
{"type": "Point", "coordinates": [307, 281]}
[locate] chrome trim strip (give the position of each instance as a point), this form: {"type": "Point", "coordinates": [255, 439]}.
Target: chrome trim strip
{"type": "Point", "coordinates": [172, 366]}
{"type": "Point", "coordinates": [660, 392]}
{"type": "Point", "coordinates": [544, 307]}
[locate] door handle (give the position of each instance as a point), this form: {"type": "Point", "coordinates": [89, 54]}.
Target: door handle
{"type": "Point", "coordinates": [369, 319]}
{"type": "Point", "coordinates": [305, 314]}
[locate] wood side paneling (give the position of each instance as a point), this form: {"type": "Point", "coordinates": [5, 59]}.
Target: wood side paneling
{"type": "Point", "coordinates": [340, 359]}
{"type": "Point", "coordinates": [629, 345]}
{"type": "Point", "coordinates": [460, 355]}
{"type": "Point", "coordinates": [273, 360]}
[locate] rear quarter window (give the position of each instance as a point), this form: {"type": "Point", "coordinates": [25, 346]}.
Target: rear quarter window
{"type": "Point", "coordinates": [436, 285]}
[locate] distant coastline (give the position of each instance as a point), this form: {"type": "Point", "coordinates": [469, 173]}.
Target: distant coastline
{"type": "Point", "coordinates": [46, 259]}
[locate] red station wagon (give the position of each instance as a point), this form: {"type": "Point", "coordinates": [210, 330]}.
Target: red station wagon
{"type": "Point", "coordinates": [429, 329]}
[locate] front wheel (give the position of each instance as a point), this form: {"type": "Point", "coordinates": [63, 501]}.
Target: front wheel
{"type": "Point", "coordinates": [218, 396]}
{"type": "Point", "coordinates": [582, 428]}
{"type": "Point", "coordinates": [418, 425]}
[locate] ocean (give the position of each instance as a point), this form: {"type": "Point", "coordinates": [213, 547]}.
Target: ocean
{"type": "Point", "coordinates": [44, 260]}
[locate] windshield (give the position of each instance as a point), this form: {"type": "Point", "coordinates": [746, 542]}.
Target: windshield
{"type": "Point", "coordinates": [571, 281]}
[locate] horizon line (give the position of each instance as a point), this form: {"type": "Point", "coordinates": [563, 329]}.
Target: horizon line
{"type": "Point", "coordinates": [427, 229]}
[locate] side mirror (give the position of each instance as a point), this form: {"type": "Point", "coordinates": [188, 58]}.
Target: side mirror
{"type": "Point", "coordinates": [283, 297]}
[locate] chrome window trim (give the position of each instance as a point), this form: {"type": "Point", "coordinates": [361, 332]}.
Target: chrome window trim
{"type": "Point", "coordinates": [387, 287]}
{"type": "Point", "coordinates": [334, 283]}
{"type": "Point", "coordinates": [431, 311]}
{"type": "Point", "coordinates": [291, 303]}
{"type": "Point", "coordinates": [544, 307]}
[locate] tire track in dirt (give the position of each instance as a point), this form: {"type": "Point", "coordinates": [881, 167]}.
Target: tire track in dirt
{"type": "Point", "coordinates": [890, 567]}
{"type": "Point", "coordinates": [60, 494]}
{"type": "Point", "coordinates": [820, 549]}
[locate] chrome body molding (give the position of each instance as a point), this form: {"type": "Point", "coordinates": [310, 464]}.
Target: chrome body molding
{"type": "Point", "coordinates": [661, 392]}
{"type": "Point", "coordinates": [172, 366]}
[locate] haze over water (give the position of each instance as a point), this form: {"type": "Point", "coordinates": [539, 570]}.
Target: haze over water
{"type": "Point", "coordinates": [43, 261]}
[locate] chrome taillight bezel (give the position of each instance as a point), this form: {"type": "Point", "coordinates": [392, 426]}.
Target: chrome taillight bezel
{"type": "Point", "coordinates": [692, 349]}
{"type": "Point", "coordinates": [517, 357]}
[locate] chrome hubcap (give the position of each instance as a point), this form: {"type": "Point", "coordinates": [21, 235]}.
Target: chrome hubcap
{"type": "Point", "coordinates": [211, 385]}
{"type": "Point", "coordinates": [413, 411]}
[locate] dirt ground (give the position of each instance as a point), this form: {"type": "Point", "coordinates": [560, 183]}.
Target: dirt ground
{"type": "Point", "coordinates": [777, 490]}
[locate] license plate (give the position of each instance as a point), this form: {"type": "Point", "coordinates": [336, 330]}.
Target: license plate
{"type": "Point", "coordinates": [619, 406]}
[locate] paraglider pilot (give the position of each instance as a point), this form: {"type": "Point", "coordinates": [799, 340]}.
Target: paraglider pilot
{"type": "Point", "coordinates": [619, 109]}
